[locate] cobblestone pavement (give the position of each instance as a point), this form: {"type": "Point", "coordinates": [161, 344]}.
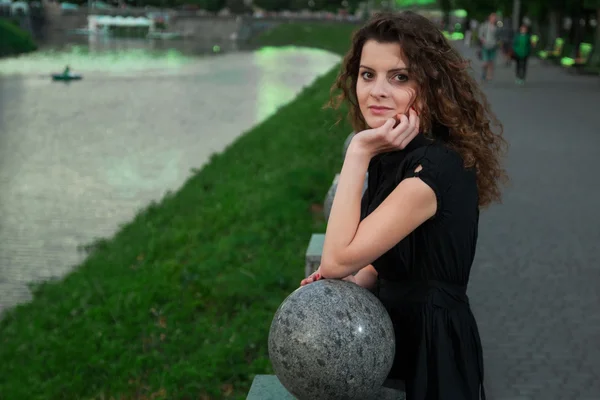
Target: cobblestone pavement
{"type": "Point", "coordinates": [535, 286]}
{"type": "Point", "coordinates": [78, 160]}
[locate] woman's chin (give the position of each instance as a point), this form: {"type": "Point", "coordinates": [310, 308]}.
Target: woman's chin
{"type": "Point", "coordinates": [375, 122]}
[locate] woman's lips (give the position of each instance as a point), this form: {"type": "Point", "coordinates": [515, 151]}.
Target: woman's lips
{"type": "Point", "coordinates": [379, 110]}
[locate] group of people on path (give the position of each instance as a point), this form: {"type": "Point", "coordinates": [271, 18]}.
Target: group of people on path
{"type": "Point", "coordinates": [518, 48]}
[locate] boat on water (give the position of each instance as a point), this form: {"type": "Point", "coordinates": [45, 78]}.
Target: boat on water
{"type": "Point", "coordinates": [66, 77]}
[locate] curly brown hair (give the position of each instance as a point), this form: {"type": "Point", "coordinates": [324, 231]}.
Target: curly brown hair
{"type": "Point", "coordinates": [450, 95]}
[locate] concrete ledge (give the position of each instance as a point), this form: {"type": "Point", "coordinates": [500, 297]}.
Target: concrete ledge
{"type": "Point", "coordinates": [331, 194]}
{"type": "Point", "coordinates": [329, 197]}
{"type": "Point", "coordinates": [313, 253]}
{"type": "Point", "coordinates": [268, 387]}
{"type": "Point", "coordinates": [347, 143]}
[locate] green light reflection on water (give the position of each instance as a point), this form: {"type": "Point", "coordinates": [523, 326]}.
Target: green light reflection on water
{"type": "Point", "coordinates": [81, 59]}
{"type": "Point", "coordinates": [273, 90]}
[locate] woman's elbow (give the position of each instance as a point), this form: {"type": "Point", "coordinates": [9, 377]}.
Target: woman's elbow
{"type": "Point", "coordinates": [330, 269]}
{"type": "Point", "coordinates": [333, 269]}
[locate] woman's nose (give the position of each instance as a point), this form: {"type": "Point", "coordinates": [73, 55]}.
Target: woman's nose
{"type": "Point", "coordinates": [379, 89]}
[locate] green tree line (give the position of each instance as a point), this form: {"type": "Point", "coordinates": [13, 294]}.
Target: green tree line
{"type": "Point", "coordinates": [546, 15]}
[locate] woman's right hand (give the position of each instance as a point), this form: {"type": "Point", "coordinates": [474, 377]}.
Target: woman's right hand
{"type": "Point", "coordinates": [394, 134]}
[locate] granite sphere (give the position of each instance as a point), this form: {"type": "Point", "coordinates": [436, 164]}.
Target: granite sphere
{"type": "Point", "coordinates": [332, 340]}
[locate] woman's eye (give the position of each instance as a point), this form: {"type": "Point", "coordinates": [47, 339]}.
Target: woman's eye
{"type": "Point", "coordinates": [399, 77]}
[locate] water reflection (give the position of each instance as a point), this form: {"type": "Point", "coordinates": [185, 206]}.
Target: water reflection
{"type": "Point", "coordinates": [190, 46]}
{"type": "Point", "coordinates": [83, 59]}
{"type": "Point", "coordinates": [279, 67]}
{"type": "Point", "coordinates": [77, 160]}
{"type": "Point", "coordinates": [105, 54]}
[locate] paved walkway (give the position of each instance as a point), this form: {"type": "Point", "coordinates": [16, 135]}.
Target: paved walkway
{"type": "Point", "coordinates": [535, 287]}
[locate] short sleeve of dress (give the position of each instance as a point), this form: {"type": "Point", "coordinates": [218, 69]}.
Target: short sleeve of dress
{"type": "Point", "coordinates": [440, 168]}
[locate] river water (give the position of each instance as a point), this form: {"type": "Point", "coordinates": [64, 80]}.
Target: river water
{"type": "Point", "coordinates": [78, 160]}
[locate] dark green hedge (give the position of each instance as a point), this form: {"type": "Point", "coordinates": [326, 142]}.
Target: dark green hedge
{"type": "Point", "coordinates": [14, 40]}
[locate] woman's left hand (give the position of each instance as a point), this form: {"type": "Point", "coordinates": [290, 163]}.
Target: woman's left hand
{"type": "Point", "coordinates": [315, 276]}
{"type": "Point", "coordinates": [389, 136]}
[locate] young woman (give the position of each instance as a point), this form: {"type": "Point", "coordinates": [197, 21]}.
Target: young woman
{"type": "Point", "coordinates": [425, 136]}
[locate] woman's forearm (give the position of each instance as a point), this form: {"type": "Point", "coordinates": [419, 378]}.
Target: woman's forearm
{"type": "Point", "coordinates": [345, 214]}
{"type": "Point", "coordinates": [366, 277]}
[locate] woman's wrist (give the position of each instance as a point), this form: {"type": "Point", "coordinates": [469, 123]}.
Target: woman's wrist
{"type": "Point", "coordinates": [357, 149]}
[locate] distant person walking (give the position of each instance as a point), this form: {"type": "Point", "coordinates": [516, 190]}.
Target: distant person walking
{"type": "Point", "coordinates": [521, 47]}
{"type": "Point", "coordinates": [489, 40]}
{"type": "Point", "coordinates": [506, 36]}
{"type": "Point", "coordinates": [469, 34]}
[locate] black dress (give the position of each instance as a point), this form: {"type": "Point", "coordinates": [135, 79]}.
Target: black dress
{"type": "Point", "coordinates": [423, 279]}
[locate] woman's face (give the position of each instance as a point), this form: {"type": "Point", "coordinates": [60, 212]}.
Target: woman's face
{"type": "Point", "coordinates": [384, 88]}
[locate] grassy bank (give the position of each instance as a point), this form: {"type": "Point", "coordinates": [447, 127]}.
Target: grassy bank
{"type": "Point", "coordinates": [13, 40]}
{"type": "Point", "coordinates": [178, 304]}
{"type": "Point", "coordinates": [334, 38]}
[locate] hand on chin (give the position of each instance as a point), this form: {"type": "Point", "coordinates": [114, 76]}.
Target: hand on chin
{"type": "Point", "coordinates": [387, 133]}
{"type": "Point", "coordinates": [378, 121]}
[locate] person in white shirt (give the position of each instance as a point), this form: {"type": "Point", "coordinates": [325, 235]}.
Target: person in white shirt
{"type": "Point", "coordinates": [489, 40]}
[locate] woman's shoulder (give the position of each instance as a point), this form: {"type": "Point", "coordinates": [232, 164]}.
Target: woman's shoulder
{"type": "Point", "coordinates": [439, 159]}
{"type": "Point", "coordinates": [443, 169]}
{"type": "Point", "coordinates": [436, 152]}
